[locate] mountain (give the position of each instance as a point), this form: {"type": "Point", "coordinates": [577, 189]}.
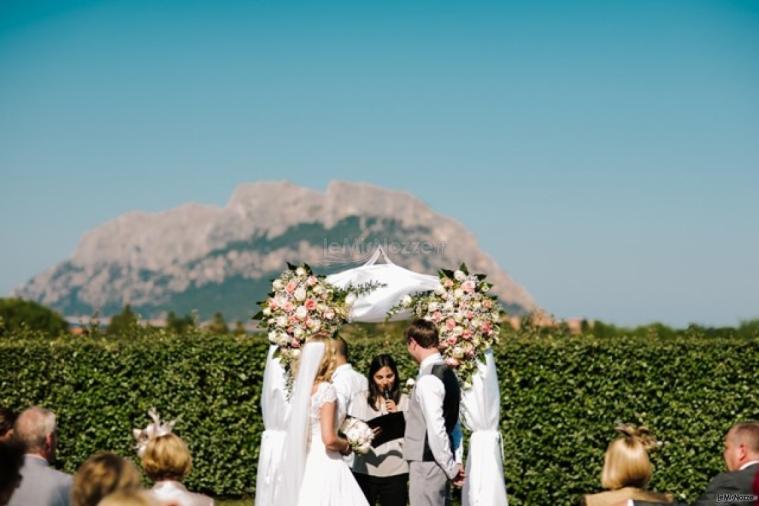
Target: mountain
{"type": "Point", "coordinates": [209, 258]}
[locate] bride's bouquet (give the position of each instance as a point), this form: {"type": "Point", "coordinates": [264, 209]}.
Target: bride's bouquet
{"type": "Point", "coordinates": [358, 434]}
{"type": "Point", "coordinates": [466, 315]}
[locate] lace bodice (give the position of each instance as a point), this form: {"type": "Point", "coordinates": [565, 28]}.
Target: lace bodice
{"type": "Point", "coordinates": [325, 393]}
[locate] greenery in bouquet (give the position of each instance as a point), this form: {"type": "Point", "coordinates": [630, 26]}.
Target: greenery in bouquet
{"type": "Point", "coordinates": [467, 317]}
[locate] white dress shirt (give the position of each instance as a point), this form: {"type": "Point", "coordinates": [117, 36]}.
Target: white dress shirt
{"type": "Point", "coordinates": [430, 393]}
{"type": "Point", "coordinates": [348, 384]}
{"type": "Point", "coordinates": [747, 464]}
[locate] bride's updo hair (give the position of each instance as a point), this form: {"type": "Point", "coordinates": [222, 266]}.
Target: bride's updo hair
{"type": "Point", "coordinates": [328, 363]}
{"type": "Point", "coordinates": [626, 463]}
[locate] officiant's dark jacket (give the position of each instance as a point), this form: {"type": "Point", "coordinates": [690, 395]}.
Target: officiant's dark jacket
{"type": "Point", "coordinates": [724, 488]}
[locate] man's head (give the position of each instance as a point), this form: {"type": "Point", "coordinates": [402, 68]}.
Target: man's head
{"type": "Point", "coordinates": [341, 351]}
{"type": "Point", "coordinates": [741, 444]}
{"type": "Point", "coordinates": [421, 339]}
{"type": "Point", "coordinates": [35, 428]}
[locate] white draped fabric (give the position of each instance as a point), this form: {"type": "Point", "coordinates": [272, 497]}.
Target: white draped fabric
{"type": "Point", "coordinates": [275, 410]}
{"type": "Point", "coordinates": [480, 412]}
{"type": "Point", "coordinates": [373, 306]}
{"type": "Point", "coordinates": [294, 456]}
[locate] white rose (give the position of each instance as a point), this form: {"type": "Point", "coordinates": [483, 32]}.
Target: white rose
{"type": "Point", "coordinates": [295, 353]}
{"type": "Point", "coordinates": [406, 301]}
{"type": "Point", "coordinates": [318, 289]}
{"type": "Point", "coordinates": [350, 299]}
{"type": "Point", "coordinates": [439, 290]}
{"type": "Point", "coordinates": [282, 321]}
{"type": "Point", "coordinates": [476, 323]}
{"type": "Point", "coordinates": [448, 306]}
{"type": "Point", "coordinates": [266, 311]}
{"type": "Point", "coordinates": [274, 336]}
{"type": "Point", "coordinates": [278, 284]}
{"type": "Point", "coordinates": [315, 325]}
{"type": "Point", "coordinates": [458, 293]}
{"type": "Point", "coordinates": [300, 294]}
{"type": "Point", "coordinates": [458, 317]}
{"type": "Point", "coordinates": [459, 275]}
{"type": "Point", "coordinates": [297, 332]}
{"type": "Point", "coordinates": [457, 331]}
{"type": "Point", "coordinates": [458, 352]}
{"type": "Point", "coordinates": [301, 312]}
{"type": "Point", "coordinates": [476, 305]}
{"type": "Point", "coordinates": [300, 271]}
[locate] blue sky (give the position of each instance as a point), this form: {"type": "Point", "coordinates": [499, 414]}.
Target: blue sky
{"type": "Point", "coordinates": [605, 153]}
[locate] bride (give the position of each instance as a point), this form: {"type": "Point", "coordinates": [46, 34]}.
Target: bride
{"type": "Point", "coordinates": [313, 470]}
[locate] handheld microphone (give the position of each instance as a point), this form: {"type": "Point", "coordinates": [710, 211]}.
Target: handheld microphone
{"type": "Point", "coordinates": [386, 394]}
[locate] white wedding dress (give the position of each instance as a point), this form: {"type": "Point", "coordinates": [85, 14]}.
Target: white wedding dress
{"type": "Point", "coordinates": [327, 480]}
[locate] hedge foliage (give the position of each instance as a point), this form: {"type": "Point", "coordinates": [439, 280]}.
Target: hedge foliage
{"type": "Point", "coordinates": [561, 397]}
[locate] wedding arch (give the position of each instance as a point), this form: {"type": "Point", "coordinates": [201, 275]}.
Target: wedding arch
{"type": "Point", "coordinates": [376, 292]}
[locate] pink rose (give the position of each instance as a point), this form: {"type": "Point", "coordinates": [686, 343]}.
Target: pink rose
{"type": "Point", "coordinates": [273, 304]}
{"type": "Point", "coordinates": [452, 362]}
{"type": "Point", "coordinates": [437, 316]}
{"type": "Point", "coordinates": [288, 307]}
{"type": "Point", "coordinates": [487, 327]}
{"type": "Point", "coordinates": [467, 334]}
{"type": "Point", "coordinates": [468, 286]}
{"type": "Point", "coordinates": [312, 280]}
{"type": "Point", "coordinates": [310, 304]}
{"type": "Point", "coordinates": [329, 314]}
{"type": "Point", "coordinates": [451, 340]}
{"type": "Point", "coordinates": [487, 303]}
{"type": "Point", "coordinates": [469, 315]}
{"type": "Point", "coordinates": [447, 283]}
{"type": "Point", "coordinates": [294, 343]}
{"type": "Point", "coordinates": [291, 286]}
{"type": "Point", "coordinates": [450, 323]}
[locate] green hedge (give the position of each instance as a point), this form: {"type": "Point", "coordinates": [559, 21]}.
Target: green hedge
{"type": "Point", "coordinates": [560, 400]}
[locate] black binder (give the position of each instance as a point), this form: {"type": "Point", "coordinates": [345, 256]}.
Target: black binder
{"type": "Point", "coordinates": [393, 426]}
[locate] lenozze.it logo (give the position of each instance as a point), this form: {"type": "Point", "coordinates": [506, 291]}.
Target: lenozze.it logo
{"type": "Point", "coordinates": [734, 498]}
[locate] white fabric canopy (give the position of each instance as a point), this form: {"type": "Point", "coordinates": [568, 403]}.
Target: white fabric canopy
{"type": "Point", "coordinates": [373, 306]}
{"type": "Point", "coordinates": [480, 413]}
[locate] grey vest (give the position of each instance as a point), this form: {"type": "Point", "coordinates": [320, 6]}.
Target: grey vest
{"type": "Point", "coordinates": [415, 444]}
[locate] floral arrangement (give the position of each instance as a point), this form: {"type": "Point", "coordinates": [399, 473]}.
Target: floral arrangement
{"type": "Point", "coordinates": [358, 434]}
{"type": "Point", "coordinates": [302, 304]}
{"type": "Point", "coordinates": [466, 315]}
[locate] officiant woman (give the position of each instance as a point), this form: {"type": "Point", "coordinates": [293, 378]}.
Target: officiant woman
{"type": "Point", "coordinates": [382, 473]}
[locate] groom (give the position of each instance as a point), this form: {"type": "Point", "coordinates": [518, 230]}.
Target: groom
{"type": "Point", "coordinates": [432, 421]}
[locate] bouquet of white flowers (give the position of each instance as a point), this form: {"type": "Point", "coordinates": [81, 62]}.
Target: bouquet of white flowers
{"type": "Point", "coordinates": [358, 434]}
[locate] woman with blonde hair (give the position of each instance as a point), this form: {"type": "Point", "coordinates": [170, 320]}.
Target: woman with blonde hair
{"type": "Point", "coordinates": [627, 470]}
{"type": "Point", "coordinates": [102, 474]}
{"type": "Point", "coordinates": [315, 472]}
{"type": "Point", "coordinates": [167, 461]}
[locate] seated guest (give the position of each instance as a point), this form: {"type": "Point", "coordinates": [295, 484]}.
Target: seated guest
{"type": "Point", "coordinates": [7, 419]}
{"type": "Point", "coordinates": [736, 486]}
{"type": "Point", "coordinates": [131, 498]}
{"type": "Point", "coordinates": [382, 473]}
{"type": "Point", "coordinates": [627, 470]}
{"type": "Point", "coordinates": [101, 475]}
{"type": "Point", "coordinates": [167, 462]}
{"type": "Point", "coordinates": [11, 460]}
{"type": "Point", "coordinates": [35, 429]}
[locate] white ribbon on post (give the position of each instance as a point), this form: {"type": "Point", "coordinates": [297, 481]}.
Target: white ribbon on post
{"type": "Point", "coordinates": [480, 413]}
